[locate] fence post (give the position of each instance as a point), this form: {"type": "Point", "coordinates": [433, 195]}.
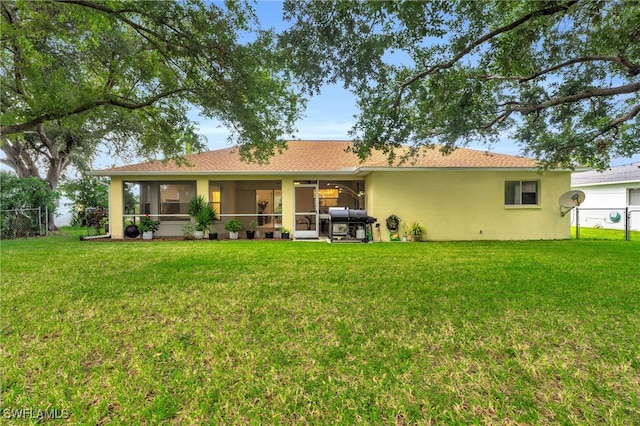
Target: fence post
{"type": "Point", "coordinates": [40, 220]}
{"type": "Point", "coordinates": [577, 223]}
{"type": "Point", "coordinates": [627, 224]}
{"type": "Point", "coordinates": [46, 220]}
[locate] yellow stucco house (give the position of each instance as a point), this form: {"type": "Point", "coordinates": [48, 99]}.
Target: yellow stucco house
{"type": "Point", "coordinates": [468, 195]}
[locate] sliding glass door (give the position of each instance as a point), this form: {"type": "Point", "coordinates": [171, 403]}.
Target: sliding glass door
{"type": "Point", "coordinates": [306, 210]}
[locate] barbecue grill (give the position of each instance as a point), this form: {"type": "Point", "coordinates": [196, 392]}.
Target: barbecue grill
{"type": "Point", "coordinates": [350, 225]}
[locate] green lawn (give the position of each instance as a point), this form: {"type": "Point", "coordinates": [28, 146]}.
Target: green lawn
{"type": "Point", "coordinates": [589, 233]}
{"type": "Point", "coordinates": [258, 332]}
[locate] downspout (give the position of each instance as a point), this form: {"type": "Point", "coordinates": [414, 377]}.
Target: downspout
{"type": "Point", "coordinates": [108, 234]}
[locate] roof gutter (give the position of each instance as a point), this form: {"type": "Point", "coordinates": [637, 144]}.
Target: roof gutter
{"type": "Point", "coordinates": [613, 182]}
{"type": "Point", "coordinates": [459, 169]}
{"type": "Point", "coordinates": [344, 171]}
{"type": "Point", "coordinates": [222, 173]}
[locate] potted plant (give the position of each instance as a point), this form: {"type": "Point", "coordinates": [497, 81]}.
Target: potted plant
{"type": "Point", "coordinates": [233, 226]}
{"type": "Point", "coordinates": [285, 233]}
{"type": "Point", "coordinates": [417, 231]}
{"type": "Point", "coordinates": [148, 226]}
{"type": "Point", "coordinates": [204, 220]}
{"type": "Point", "coordinates": [196, 204]}
{"type": "Point", "coordinates": [202, 215]}
{"type": "Point", "coordinates": [251, 232]}
{"type": "Point", "coordinates": [268, 234]}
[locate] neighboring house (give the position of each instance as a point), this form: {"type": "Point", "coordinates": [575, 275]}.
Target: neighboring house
{"type": "Point", "coordinates": [608, 195]}
{"type": "Point", "coordinates": [468, 195]}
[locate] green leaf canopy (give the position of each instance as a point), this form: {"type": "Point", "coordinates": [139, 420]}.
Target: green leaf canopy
{"type": "Point", "coordinates": [128, 72]}
{"type": "Point", "coordinates": [561, 78]}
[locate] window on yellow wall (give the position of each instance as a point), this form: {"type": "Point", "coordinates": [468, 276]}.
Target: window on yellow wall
{"type": "Point", "coordinates": [214, 198]}
{"type": "Point", "coordinates": [521, 192]}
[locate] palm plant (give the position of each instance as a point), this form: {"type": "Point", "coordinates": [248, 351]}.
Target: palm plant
{"type": "Point", "coordinates": [205, 217]}
{"type": "Point", "coordinates": [202, 213]}
{"type": "Point", "coordinates": [196, 204]}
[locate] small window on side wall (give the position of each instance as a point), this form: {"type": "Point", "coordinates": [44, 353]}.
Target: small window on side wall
{"type": "Point", "coordinates": [520, 192]}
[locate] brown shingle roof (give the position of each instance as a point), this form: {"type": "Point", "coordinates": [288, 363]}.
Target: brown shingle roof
{"type": "Point", "coordinates": [321, 156]}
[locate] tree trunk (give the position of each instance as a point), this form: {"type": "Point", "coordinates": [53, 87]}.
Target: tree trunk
{"type": "Point", "coordinates": [53, 180]}
{"type": "Point", "coordinates": [19, 158]}
{"type": "Point", "coordinates": [23, 156]}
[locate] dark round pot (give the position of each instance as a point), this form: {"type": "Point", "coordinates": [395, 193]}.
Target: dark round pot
{"type": "Point", "coordinates": [131, 231]}
{"type": "Point", "coordinates": [250, 235]}
{"type": "Point", "coordinates": [213, 235]}
{"type": "Point", "coordinates": [285, 236]}
{"type": "Point", "coordinates": [268, 234]}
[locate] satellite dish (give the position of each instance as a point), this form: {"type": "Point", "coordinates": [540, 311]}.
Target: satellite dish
{"type": "Point", "coordinates": [570, 200]}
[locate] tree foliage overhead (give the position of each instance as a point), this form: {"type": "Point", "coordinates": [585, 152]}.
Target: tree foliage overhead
{"type": "Point", "coordinates": [559, 77]}
{"type": "Point", "coordinates": [78, 73]}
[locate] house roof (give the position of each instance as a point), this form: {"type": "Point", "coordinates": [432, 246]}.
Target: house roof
{"type": "Point", "coordinates": [321, 157]}
{"type": "Point", "coordinates": [617, 174]}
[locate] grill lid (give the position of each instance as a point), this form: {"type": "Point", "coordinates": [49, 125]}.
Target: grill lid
{"type": "Point", "coordinates": [345, 214]}
{"type": "Point", "coordinates": [339, 213]}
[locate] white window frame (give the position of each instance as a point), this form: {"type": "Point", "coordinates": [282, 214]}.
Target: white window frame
{"type": "Point", "coordinates": [519, 195]}
{"type": "Point", "coordinates": [633, 196]}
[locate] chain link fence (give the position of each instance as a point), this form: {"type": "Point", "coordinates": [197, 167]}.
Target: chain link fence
{"type": "Point", "coordinates": [611, 223]}
{"type": "Point", "coordinates": [22, 223]}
